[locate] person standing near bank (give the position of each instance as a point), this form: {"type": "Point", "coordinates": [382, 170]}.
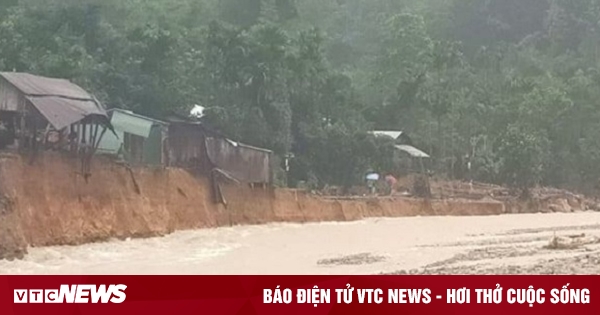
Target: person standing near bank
{"type": "Point", "coordinates": [372, 179]}
{"type": "Point", "coordinates": [391, 182]}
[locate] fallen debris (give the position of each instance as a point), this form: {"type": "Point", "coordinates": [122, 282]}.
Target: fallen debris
{"type": "Point", "coordinates": [571, 242]}
{"type": "Point", "coordinates": [359, 259]}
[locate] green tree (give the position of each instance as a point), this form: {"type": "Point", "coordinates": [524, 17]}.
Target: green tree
{"type": "Point", "coordinates": [522, 155]}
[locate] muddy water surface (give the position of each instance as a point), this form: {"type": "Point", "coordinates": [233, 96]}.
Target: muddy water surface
{"type": "Point", "coordinates": [493, 244]}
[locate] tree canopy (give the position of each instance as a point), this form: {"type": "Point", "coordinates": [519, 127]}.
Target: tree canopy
{"type": "Point", "coordinates": [510, 85]}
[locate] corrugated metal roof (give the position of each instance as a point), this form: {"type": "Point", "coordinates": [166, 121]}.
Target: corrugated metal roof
{"type": "Point", "coordinates": [393, 134]}
{"type": "Point", "coordinates": [62, 112]}
{"type": "Point", "coordinates": [238, 144]}
{"type": "Point", "coordinates": [412, 151]}
{"type": "Point", "coordinates": [61, 102]}
{"type": "Point", "coordinates": [244, 163]}
{"type": "Point", "coordinates": [33, 85]}
{"type": "Point", "coordinates": [131, 113]}
{"type": "Point", "coordinates": [133, 124]}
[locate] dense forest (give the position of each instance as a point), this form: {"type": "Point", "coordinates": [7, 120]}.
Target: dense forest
{"type": "Point", "coordinates": [514, 85]}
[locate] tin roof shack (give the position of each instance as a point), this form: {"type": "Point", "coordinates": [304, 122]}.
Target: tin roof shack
{"type": "Point", "coordinates": [409, 159]}
{"type": "Point", "coordinates": [403, 143]}
{"type": "Point", "coordinates": [186, 147]}
{"type": "Point", "coordinates": [243, 162]}
{"type": "Point", "coordinates": [194, 146]}
{"type": "Point", "coordinates": [52, 113]}
{"type": "Point", "coordinates": [137, 138]}
{"type": "Point", "coordinates": [202, 151]}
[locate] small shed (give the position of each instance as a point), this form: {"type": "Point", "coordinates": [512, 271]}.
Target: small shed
{"type": "Point", "coordinates": [139, 139]}
{"type": "Point", "coordinates": [194, 146]}
{"type": "Point", "coordinates": [409, 160]}
{"type": "Point", "coordinates": [243, 162]}
{"type": "Point", "coordinates": [403, 143]}
{"type": "Point", "coordinates": [49, 113]}
{"type": "Point", "coordinates": [59, 101]}
{"type": "Point", "coordinates": [407, 157]}
{"type": "Point", "coordinates": [186, 146]}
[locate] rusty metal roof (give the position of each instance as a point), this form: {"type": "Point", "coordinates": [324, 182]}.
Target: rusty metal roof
{"type": "Point", "coordinates": [63, 112]}
{"type": "Point", "coordinates": [60, 101]}
{"type": "Point", "coordinates": [33, 85]}
{"type": "Point", "coordinates": [244, 163]}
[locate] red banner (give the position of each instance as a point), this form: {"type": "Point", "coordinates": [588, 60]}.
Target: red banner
{"type": "Point", "coordinates": [299, 295]}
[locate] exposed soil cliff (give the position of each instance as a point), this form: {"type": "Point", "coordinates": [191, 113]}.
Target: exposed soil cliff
{"type": "Point", "coordinates": [49, 203]}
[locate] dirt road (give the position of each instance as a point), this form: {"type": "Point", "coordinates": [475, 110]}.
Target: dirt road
{"type": "Point", "coordinates": [437, 245]}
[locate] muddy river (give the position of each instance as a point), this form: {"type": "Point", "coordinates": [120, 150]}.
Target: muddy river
{"type": "Point", "coordinates": [508, 244]}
